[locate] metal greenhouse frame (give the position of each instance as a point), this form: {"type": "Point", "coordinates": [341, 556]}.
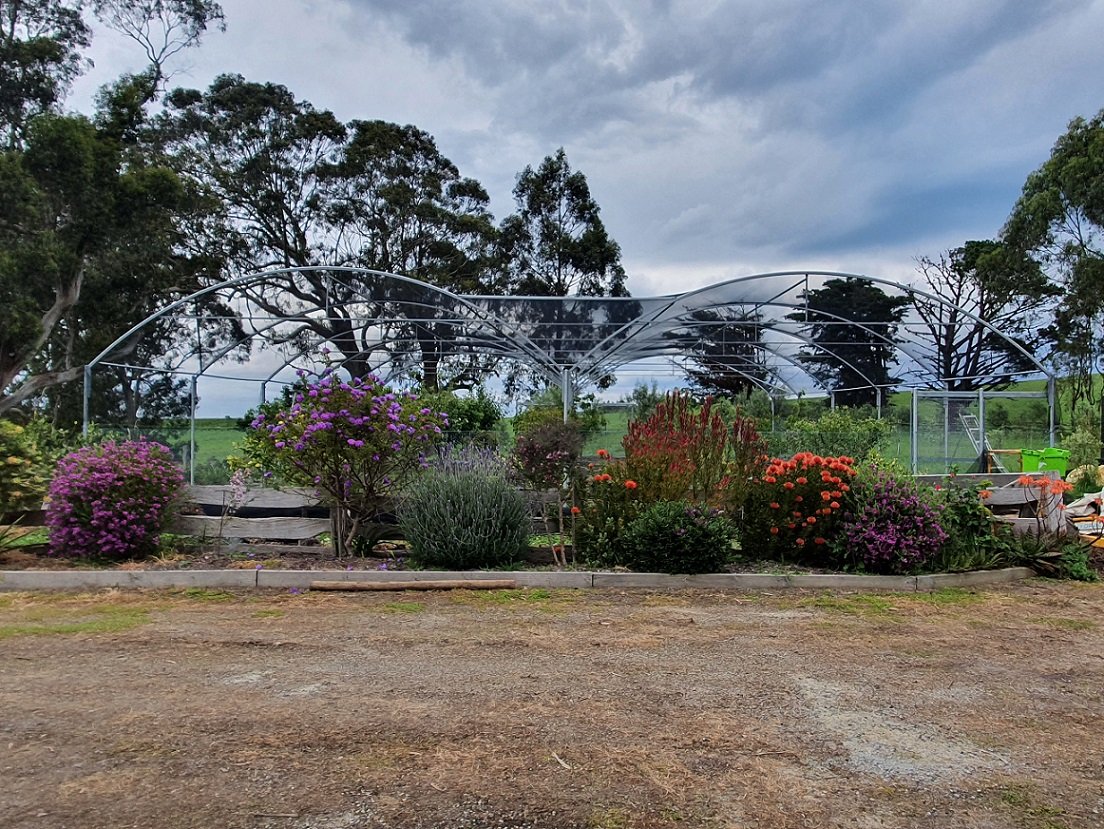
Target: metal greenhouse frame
{"type": "Point", "coordinates": [263, 327]}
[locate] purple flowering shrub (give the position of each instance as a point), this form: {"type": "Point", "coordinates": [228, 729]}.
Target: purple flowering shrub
{"type": "Point", "coordinates": [111, 500]}
{"type": "Point", "coordinates": [356, 442]}
{"type": "Point", "coordinates": [889, 527]}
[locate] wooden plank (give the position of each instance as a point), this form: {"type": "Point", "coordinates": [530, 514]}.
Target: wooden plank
{"type": "Point", "coordinates": [451, 584]}
{"type": "Point", "coordinates": [221, 496]}
{"type": "Point", "coordinates": [207, 526]}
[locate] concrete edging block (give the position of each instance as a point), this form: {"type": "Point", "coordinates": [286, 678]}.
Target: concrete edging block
{"type": "Point", "coordinates": [845, 581]}
{"type": "Point", "coordinates": [11, 580]}
{"type": "Point", "coordinates": [975, 578]}
{"type": "Point", "coordinates": [132, 579]}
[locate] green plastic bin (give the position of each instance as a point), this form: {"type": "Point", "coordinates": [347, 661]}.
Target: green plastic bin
{"type": "Point", "coordinates": [1057, 459]}
{"type": "Point", "coordinates": [1044, 460]}
{"type": "Point", "coordinates": [1030, 459]}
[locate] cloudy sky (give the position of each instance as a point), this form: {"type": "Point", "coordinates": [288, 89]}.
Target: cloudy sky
{"type": "Point", "coordinates": [720, 138]}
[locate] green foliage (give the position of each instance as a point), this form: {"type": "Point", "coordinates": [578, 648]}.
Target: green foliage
{"type": "Point", "coordinates": [837, 432]}
{"type": "Point", "coordinates": [644, 399]}
{"type": "Point", "coordinates": [678, 537]}
{"type": "Point", "coordinates": [465, 521]}
{"type": "Point", "coordinates": [24, 471]}
{"type": "Point", "coordinates": [547, 408]}
{"type": "Point", "coordinates": [472, 416]}
{"type": "Point", "coordinates": [1075, 563]}
{"type": "Point", "coordinates": [1059, 218]}
{"type": "Point", "coordinates": [557, 242]}
{"type": "Point", "coordinates": [609, 501]}
{"type": "Point", "coordinates": [974, 540]}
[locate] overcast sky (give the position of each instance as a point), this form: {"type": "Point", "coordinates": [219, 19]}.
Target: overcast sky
{"type": "Point", "coordinates": [719, 138]}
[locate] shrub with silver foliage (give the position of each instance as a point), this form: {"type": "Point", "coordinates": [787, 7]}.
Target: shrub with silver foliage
{"type": "Point", "coordinates": [465, 521]}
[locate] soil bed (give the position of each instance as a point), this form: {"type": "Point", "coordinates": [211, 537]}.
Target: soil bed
{"type": "Point", "coordinates": [557, 709]}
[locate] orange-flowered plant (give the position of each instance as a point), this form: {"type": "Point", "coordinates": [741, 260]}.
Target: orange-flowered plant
{"type": "Point", "coordinates": [796, 504]}
{"type": "Point", "coordinates": [608, 499]}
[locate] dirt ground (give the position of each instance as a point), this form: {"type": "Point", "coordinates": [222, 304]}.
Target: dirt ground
{"type": "Point", "coordinates": [607, 710]}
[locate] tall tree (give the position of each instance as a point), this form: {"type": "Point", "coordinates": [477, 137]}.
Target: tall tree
{"type": "Point", "coordinates": [1059, 218]}
{"type": "Point", "coordinates": [728, 358]}
{"type": "Point", "coordinates": [993, 282]}
{"type": "Point", "coordinates": [852, 325]}
{"type": "Point", "coordinates": [83, 206]}
{"type": "Point", "coordinates": [556, 241]}
{"type": "Point", "coordinates": [297, 188]}
{"type": "Point", "coordinates": [40, 55]}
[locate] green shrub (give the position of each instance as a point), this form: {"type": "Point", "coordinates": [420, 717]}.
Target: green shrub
{"type": "Point", "coordinates": [609, 500]}
{"type": "Point", "coordinates": [678, 537]}
{"type": "Point", "coordinates": [837, 432]}
{"type": "Point", "coordinates": [27, 457]}
{"type": "Point", "coordinates": [464, 521]}
{"type": "Point", "coordinates": [974, 541]}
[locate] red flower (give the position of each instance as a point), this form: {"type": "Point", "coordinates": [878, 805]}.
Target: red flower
{"type": "Point", "coordinates": [787, 485]}
{"type": "Point", "coordinates": [630, 484]}
{"type": "Point", "coordinates": [603, 454]}
{"type": "Point", "coordinates": [775, 505]}
{"type": "Point", "coordinates": [774, 531]}
{"type": "Point", "coordinates": [575, 510]}
{"type": "Point", "coordinates": [803, 480]}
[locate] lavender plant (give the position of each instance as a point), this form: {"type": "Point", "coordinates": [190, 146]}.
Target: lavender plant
{"type": "Point", "coordinates": [466, 520]}
{"type": "Point", "coordinates": [111, 500]}
{"type": "Point", "coordinates": [357, 442]}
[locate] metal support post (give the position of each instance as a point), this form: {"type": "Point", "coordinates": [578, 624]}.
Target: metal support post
{"type": "Point", "coordinates": [915, 429]}
{"type": "Point", "coordinates": [191, 433]}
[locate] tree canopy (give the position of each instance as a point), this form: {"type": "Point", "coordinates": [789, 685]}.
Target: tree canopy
{"type": "Point", "coordinates": [851, 325]}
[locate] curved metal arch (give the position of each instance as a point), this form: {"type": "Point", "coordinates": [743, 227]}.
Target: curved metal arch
{"type": "Point", "coordinates": [782, 355]}
{"type": "Point", "coordinates": [905, 289]}
{"type": "Point", "coordinates": [261, 276]}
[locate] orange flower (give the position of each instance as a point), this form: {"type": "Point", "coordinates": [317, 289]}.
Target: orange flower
{"type": "Point", "coordinates": [787, 485]}
{"type": "Point", "coordinates": [803, 480]}
{"type": "Point", "coordinates": [834, 505]}
{"type": "Point", "coordinates": [1024, 480]}
{"type": "Point", "coordinates": [630, 484]}
{"type": "Point", "coordinates": [603, 454]}
{"type": "Point", "coordinates": [846, 488]}
{"type": "Point", "coordinates": [770, 479]}
{"type": "Point", "coordinates": [826, 495]}
{"type": "Point", "coordinates": [575, 510]}
{"type": "Point", "coordinates": [810, 520]}
{"type": "Point", "coordinates": [985, 493]}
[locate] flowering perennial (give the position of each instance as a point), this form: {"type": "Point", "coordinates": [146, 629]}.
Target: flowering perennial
{"type": "Point", "coordinates": [111, 500]}
{"type": "Point", "coordinates": [798, 502]}
{"type": "Point", "coordinates": [355, 441]}
{"type": "Point", "coordinates": [891, 528]}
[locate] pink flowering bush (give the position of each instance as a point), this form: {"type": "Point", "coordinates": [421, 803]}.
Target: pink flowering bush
{"type": "Point", "coordinates": [356, 442]}
{"type": "Point", "coordinates": [111, 500]}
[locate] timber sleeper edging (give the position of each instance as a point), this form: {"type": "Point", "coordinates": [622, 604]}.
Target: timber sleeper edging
{"type": "Point", "coordinates": [13, 580]}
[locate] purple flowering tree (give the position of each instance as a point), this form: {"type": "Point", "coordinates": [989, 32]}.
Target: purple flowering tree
{"type": "Point", "coordinates": [356, 442]}
{"type": "Point", "coordinates": [111, 500]}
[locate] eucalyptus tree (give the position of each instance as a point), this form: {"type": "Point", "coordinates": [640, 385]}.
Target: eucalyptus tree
{"type": "Point", "coordinates": [89, 217]}
{"type": "Point", "coordinates": [1059, 219]}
